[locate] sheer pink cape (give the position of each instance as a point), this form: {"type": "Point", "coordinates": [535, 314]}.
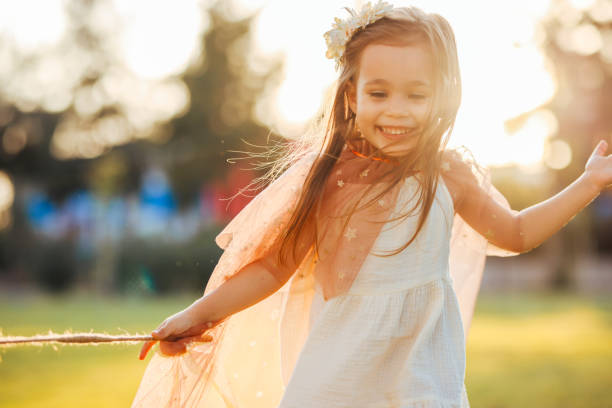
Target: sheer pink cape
{"type": "Point", "coordinates": [253, 352]}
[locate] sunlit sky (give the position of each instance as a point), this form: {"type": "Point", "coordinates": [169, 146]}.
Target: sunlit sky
{"type": "Point", "coordinates": [504, 73]}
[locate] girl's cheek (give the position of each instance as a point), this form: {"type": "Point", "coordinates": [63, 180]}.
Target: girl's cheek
{"type": "Point", "coordinates": [421, 111]}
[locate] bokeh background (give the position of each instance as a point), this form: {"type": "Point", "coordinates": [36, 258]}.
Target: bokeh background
{"type": "Point", "coordinates": [119, 121]}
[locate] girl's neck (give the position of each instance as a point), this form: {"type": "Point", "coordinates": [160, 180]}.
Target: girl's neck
{"type": "Point", "coordinates": [364, 149]}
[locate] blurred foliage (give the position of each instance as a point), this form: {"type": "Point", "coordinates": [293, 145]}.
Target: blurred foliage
{"type": "Point", "coordinates": [8, 254]}
{"type": "Point", "coordinates": [110, 175]}
{"type": "Point", "coordinates": [224, 91]}
{"type": "Point", "coordinates": [54, 264]}
{"type": "Point", "coordinates": [577, 41]}
{"type": "Point", "coordinates": [190, 147]}
{"type": "Point", "coordinates": [146, 266]}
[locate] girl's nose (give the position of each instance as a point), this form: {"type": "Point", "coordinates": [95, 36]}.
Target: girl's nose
{"type": "Point", "coordinates": [398, 108]}
{"type": "Point", "coordinates": [396, 113]}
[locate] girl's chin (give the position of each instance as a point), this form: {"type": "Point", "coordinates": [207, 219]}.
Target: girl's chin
{"type": "Point", "coordinates": [397, 154]}
{"type": "Point", "coordinates": [396, 149]}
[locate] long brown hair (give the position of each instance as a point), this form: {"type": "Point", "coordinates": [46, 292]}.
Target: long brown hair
{"type": "Point", "coordinates": [402, 26]}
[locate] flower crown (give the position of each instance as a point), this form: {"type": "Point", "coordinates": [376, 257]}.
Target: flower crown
{"type": "Point", "coordinates": [343, 30]}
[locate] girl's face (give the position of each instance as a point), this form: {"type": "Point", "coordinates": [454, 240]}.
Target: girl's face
{"type": "Point", "coordinates": [392, 96]}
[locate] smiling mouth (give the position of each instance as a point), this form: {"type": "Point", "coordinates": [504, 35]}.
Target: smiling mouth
{"type": "Point", "coordinates": [394, 131]}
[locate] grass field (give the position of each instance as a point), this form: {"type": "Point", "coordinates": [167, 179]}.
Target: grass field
{"type": "Point", "coordinates": [523, 351]}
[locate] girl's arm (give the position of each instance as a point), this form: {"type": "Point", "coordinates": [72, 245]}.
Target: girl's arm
{"type": "Point", "coordinates": [527, 229]}
{"type": "Point", "coordinates": [250, 285]}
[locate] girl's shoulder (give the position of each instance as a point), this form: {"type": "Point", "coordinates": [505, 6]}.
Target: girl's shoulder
{"type": "Point", "coordinates": [460, 159]}
{"type": "Point", "coordinates": [461, 173]}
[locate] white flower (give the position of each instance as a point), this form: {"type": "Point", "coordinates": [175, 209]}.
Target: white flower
{"type": "Point", "coordinates": [343, 30]}
{"type": "Point", "coordinates": [340, 183]}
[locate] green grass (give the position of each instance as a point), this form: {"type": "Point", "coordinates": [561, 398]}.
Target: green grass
{"type": "Point", "coordinates": [524, 351]}
{"type": "Point", "coordinates": [100, 376]}
{"type": "Point", "coordinates": [540, 351]}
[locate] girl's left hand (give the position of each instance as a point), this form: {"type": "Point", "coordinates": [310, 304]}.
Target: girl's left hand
{"type": "Point", "coordinates": [176, 332]}
{"type": "Point", "coordinates": [599, 167]}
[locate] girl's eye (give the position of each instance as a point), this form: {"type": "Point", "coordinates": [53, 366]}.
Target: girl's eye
{"type": "Point", "coordinates": [378, 94]}
{"type": "Point", "coordinates": [418, 96]}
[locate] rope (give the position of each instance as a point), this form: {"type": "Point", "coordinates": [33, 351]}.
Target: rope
{"type": "Point", "coordinates": [77, 338]}
{"type": "Point", "coordinates": [71, 338]}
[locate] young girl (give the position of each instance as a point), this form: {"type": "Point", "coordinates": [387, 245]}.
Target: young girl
{"type": "Point", "coordinates": [356, 271]}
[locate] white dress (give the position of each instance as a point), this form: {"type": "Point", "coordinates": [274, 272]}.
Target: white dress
{"type": "Point", "coordinates": [396, 338]}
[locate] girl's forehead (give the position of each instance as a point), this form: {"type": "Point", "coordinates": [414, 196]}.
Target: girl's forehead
{"type": "Point", "coordinates": [399, 65]}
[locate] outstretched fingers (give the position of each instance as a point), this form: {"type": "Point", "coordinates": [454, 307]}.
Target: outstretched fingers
{"type": "Point", "coordinates": [173, 346]}
{"type": "Point", "coordinates": [601, 148]}
{"type": "Point", "coordinates": [148, 345]}
{"type": "Point", "coordinates": [157, 334]}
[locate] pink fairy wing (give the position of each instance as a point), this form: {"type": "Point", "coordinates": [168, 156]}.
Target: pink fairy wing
{"type": "Point", "coordinates": [255, 230]}
{"type": "Point", "coordinates": [242, 366]}
{"type": "Point", "coordinates": [468, 248]}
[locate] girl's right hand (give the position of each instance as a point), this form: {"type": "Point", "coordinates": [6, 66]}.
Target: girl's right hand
{"type": "Point", "coordinates": [176, 332]}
